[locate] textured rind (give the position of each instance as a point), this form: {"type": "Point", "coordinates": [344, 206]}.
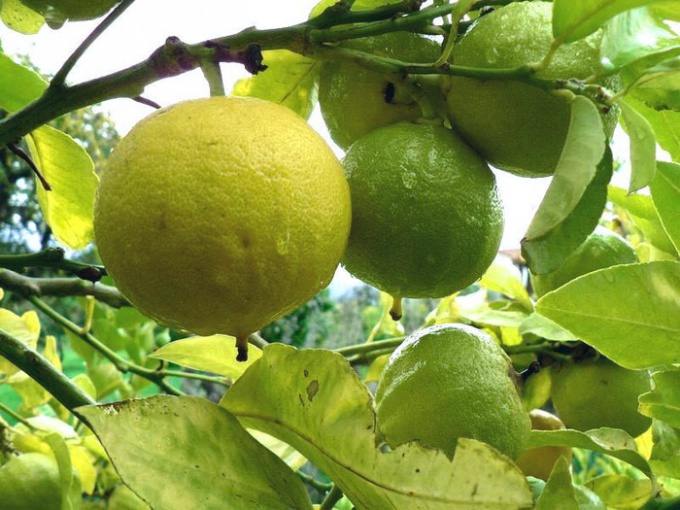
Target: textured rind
{"type": "Point", "coordinates": [427, 220]}
{"type": "Point", "coordinates": [603, 248]}
{"type": "Point", "coordinates": [515, 126]}
{"type": "Point", "coordinates": [593, 394]}
{"type": "Point", "coordinates": [220, 215]}
{"type": "Point", "coordinates": [353, 99]}
{"type": "Point", "coordinates": [450, 381]}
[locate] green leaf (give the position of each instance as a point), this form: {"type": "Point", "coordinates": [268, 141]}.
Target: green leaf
{"type": "Point", "coordinates": [358, 5]}
{"type": "Point", "coordinates": [18, 84]}
{"type": "Point", "coordinates": [547, 252]}
{"type": "Point", "coordinates": [666, 125]}
{"type": "Point", "coordinates": [68, 481]}
{"type": "Point", "coordinates": [621, 491]}
{"type": "Point", "coordinates": [68, 209]}
{"type": "Point", "coordinates": [558, 493]}
{"type": "Point", "coordinates": [613, 442]}
{"type": "Point", "coordinates": [314, 401]}
{"type": "Point", "coordinates": [20, 18]}
{"type": "Point", "coordinates": [644, 215]}
{"type": "Point", "coordinates": [289, 80]}
{"type": "Point", "coordinates": [575, 19]}
{"type": "Point", "coordinates": [583, 150]}
{"type": "Point", "coordinates": [545, 328]}
{"type": "Point", "coordinates": [663, 402]}
{"type": "Point", "coordinates": [216, 354]}
{"type": "Point", "coordinates": [665, 458]}
{"type": "Point", "coordinates": [666, 197]}
{"type": "Point", "coordinates": [504, 277]}
{"type": "Point", "coordinates": [185, 452]}
{"type": "Point", "coordinates": [642, 147]}
{"type": "Point", "coordinates": [627, 312]}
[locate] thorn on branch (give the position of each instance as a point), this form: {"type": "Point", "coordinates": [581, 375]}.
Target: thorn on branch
{"type": "Point", "coordinates": [147, 102]}
{"type": "Point", "coordinates": [533, 368]}
{"type": "Point", "coordinates": [20, 153]}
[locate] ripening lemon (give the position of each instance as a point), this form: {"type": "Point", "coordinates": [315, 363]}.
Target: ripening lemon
{"type": "Point", "coordinates": [58, 11]}
{"type": "Point", "coordinates": [515, 126]}
{"type": "Point", "coordinates": [450, 381]}
{"type": "Point", "coordinates": [539, 462]}
{"type": "Point", "coordinates": [220, 215]}
{"type": "Point", "coordinates": [354, 100]}
{"type": "Point", "coordinates": [427, 220]}
{"type": "Point", "coordinates": [601, 249]}
{"type": "Point", "coordinates": [599, 393]}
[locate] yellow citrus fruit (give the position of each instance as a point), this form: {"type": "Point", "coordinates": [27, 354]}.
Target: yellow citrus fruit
{"type": "Point", "coordinates": [450, 381]}
{"type": "Point", "coordinates": [354, 100]}
{"type": "Point", "coordinates": [427, 220]}
{"type": "Point", "coordinates": [220, 215]}
{"type": "Point", "coordinates": [603, 248]}
{"type": "Point", "coordinates": [75, 10]}
{"type": "Point", "coordinates": [515, 126]}
{"type": "Point", "coordinates": [539, 462]}
{"type": "Point", "coordinates": [598, 393]}
{"type": "Point", "coordinates": [30, 481]}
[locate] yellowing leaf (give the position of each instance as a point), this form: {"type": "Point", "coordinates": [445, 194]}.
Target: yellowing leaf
{"type": "Point", "coordinates": [215, 353]}
{"type": "Point", "coordinates": [663, 402]}
{"type": "Point", "coordinates": [18, 17]}
{"type": "Point", "coordinates": [83, 463]}
{"type": "Point", "coordinates": [313, 400]}
{"type": "Point", "coordinates": [289, 80]}
{"type": "Point", "coordinates": [69, 207]}
{"type": "Point", "coordinates": [504, 277]}
{"type": "Point", "coordinates": [18, 84]}
{"type": "Point", "coordinates": [25, 328]}
{"type": "Point", "coordinates": [666, 197]}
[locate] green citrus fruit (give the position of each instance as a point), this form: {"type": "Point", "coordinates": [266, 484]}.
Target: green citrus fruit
{"type": "Point", "coordinates": [598, 393]}
{"type": "Point", "coordinates": [354, 101]}
{"type": "Point", "coordinates": [450, 381]}
{"type": "Point", "coordinates": [539, 462]}
{"type": "Point", "coordinates": [603, 248]}
{"type": "Point", "coordinates": [30, 481]}
{"type": "Point", "coordinates": [426, 217]}
{"type": "Point", "coordinates": [220, 215]}
{"type": "Point", "coordinates": [515, 126]}
{"type": "Point", "coordinates": [58, 11]}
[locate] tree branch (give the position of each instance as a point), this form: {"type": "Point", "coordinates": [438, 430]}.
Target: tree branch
{"type": "Point", "coordinates": [27, 287]}
{"type": "Point", "coordinates": [43, 372]}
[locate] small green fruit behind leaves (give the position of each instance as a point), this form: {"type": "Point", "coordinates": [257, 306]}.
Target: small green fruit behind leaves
{"type": "Point", "coordinates": [354, 100]}
{"type": "Point", "coordinates": [599, 393]}
{"type": "Point", "coordinates": [30, 482]}
{"type": "Point", "coordinates": [426, 217]}
{"type": "Point", "coordinates": [515, 126]}
{"type": "Point", "coordinates": [603, 248]}
{"type": "Point", "coordinates": [451, 381]}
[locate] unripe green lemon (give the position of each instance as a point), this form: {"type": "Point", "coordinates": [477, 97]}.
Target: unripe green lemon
{"type": "Point", "coordinates": [354, 100]}
{"type": "Point", "coordinates": [56, 11]}
{"type": "Point", "coordinates": [426, 217]}
{"type": "Point", "coordinates": [450, 381]}
{"type": "Point", "coordinates": [601, 249]}
{"type": "Point", "coordinates": [515, 126]}
{"type": "Point", "coordinates": [598, 393]}
{"type": "Point", "coordinates": [220, 215]}
{"type": "Point", "coordinates": [539, 462]}
{"type": "Point", "coordinates": [30, 482]}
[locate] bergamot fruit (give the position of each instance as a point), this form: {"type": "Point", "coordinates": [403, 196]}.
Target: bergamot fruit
{"type": "Point", "coordinates": [601, 249]}
{"type": "Point", "coordinates": [426, 217]}
{"type": "Point", "coordinates": [354, 100]}
{"type": "Point", "coordinates": [599, 393]}
{"type": "Point", "coordinates": [539, 462]}
{"type": "Point", "coordinates": [450, 381]}
{"type": "Point", "coordinates": [515, 126]}
{"type": "Point", "coordinates": [30, 481]}
{"type": "Point", "coordinates": [220, 215]}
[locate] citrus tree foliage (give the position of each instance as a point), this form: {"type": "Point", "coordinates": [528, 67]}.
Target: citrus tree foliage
{"type": "Point", "coordinates": [103, 408]}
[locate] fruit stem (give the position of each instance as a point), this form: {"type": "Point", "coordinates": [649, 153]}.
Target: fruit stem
{"type": "Point", "coordinates": [396, 311]}
{"type": "Point", "coordinates": [242, 348]}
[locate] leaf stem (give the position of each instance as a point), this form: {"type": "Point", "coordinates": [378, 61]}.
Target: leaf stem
{"type": "Point", "coordinates": [390, 343]}
{"type": "Point", "coordinates": [60, 78]}
{"type": "Point", "coordinates": [43, 372]}
{"type": "Point", "coordinates": [331, 498]}
{"type": "Point", "coordinates": [313, 482]}
{"type": "Point", "coordinates": [15, 415]}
